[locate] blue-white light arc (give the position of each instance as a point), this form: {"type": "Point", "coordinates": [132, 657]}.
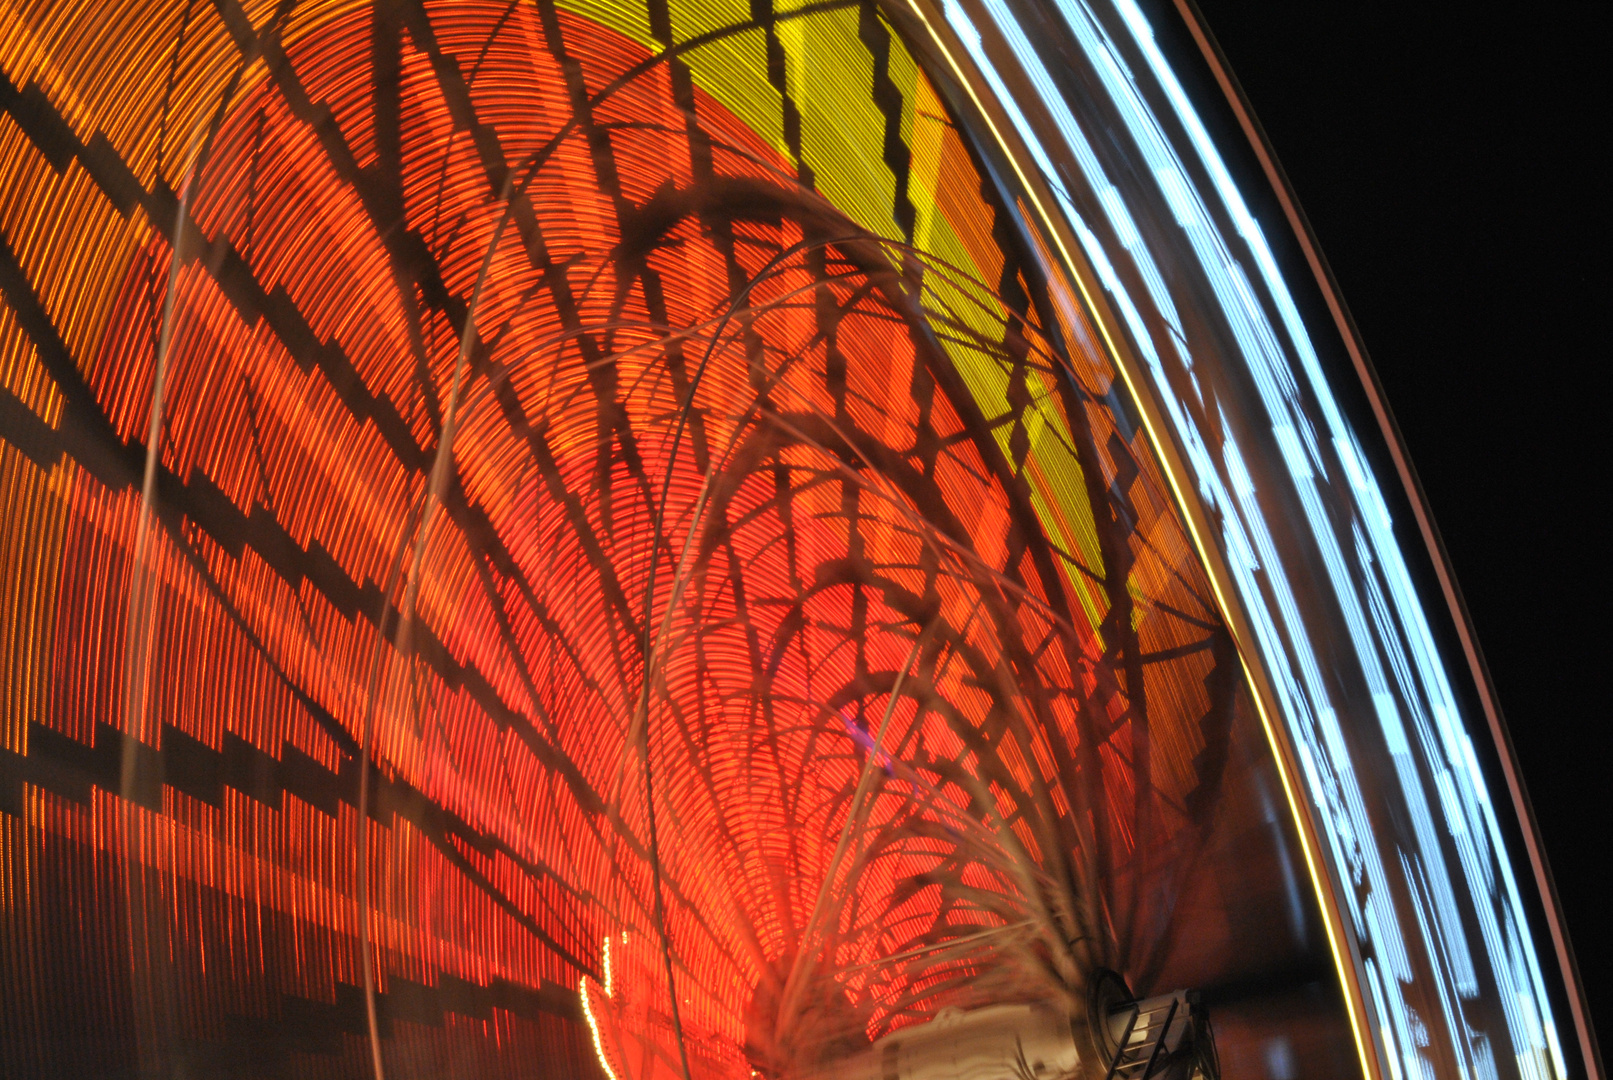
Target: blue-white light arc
{"type": "Point", "coordinates": [1441, 945]}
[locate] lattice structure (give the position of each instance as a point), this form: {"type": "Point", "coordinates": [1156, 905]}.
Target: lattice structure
{"type": "Point", "coordinates": [640, 457]}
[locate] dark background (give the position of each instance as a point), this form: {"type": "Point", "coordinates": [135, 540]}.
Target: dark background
{"type": "Point", "coordinates": [1447, 158]}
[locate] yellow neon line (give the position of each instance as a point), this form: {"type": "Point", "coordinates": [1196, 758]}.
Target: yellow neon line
{"type": "Point", "coordinates": [1333, 943]}
{"type": "Point", "coordinates": [1257, 687]}
{"type": "Point", "coordinates": [593, 1028]}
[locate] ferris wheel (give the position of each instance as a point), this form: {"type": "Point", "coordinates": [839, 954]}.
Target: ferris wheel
{"type": "Point", "coordinates": [705, 540]}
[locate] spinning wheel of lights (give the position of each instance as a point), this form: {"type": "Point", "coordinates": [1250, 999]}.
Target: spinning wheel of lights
{"type": "Point", "coordinates": [575, 537]}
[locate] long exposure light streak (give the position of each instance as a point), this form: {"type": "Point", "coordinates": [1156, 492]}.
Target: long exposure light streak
{"type": "Point", "coordinates": [1094, 251]}
{"type": "Point", "coordinates": [1397, 634]}
{"type": "Point", "coordinates": [681, 538]}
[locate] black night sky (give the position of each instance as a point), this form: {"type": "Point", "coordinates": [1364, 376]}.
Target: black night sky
{"type": "Point", "coordinates": [1446, 156]}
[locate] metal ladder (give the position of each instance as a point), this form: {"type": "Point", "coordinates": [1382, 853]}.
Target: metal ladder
{"type": "Point", "coordinates": [1144, 1039]}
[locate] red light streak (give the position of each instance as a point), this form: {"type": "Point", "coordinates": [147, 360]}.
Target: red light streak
{"type": "Point", "coordinates": [879, 450]}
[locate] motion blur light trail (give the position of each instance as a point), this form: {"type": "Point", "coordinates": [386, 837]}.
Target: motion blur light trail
{"type": "Point", "coordinates": [682, 539]}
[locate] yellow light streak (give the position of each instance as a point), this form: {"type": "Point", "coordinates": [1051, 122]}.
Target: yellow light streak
{"type": "Point", "coordinates": [593, 1028]}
